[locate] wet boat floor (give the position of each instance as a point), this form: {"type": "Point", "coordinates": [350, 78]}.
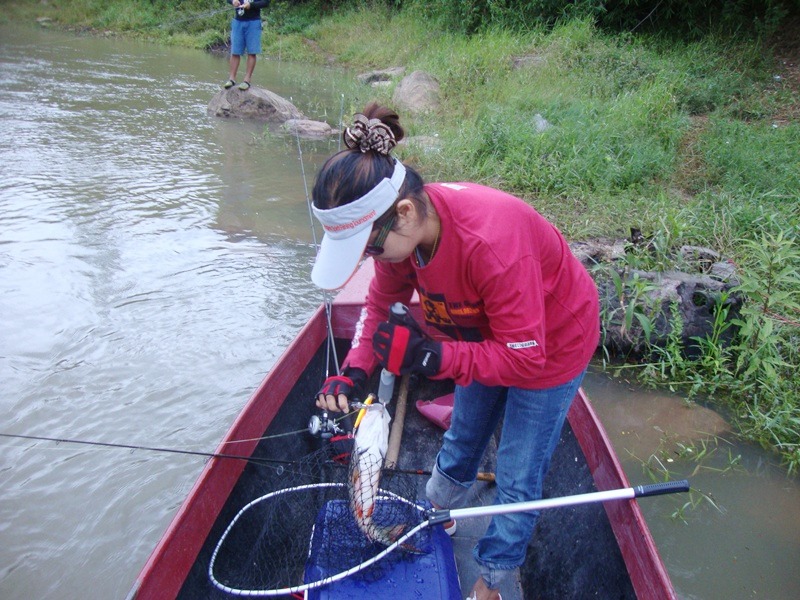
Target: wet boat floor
{"type": "Point", "coordinates": [468, 532]}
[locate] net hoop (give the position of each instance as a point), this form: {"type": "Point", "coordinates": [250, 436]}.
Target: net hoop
{"type": "Point", "coordinates": [383, 494]}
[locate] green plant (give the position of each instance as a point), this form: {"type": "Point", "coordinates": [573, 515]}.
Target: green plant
{"type": "Point", "coordinates": [670, 459]}
{"type": "Point", "coordinates": [713, 367]}
{"type": "Point", "coordinates": [759, 160]}
{"type": "Point", "coordinates": [628, 312]}
{"type": "Point", "coordinates": [766, 345]}
{"type": "Point", "coordinates": [771, 313]}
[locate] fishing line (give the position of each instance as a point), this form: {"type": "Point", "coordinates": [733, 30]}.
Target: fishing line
{"type": "Point", "coordinates": [650, 14]}
{"type": "Point", "coordinates": [41, 438]}
{"type": "Point", "coordinates": [326, 297]}
{"type": "Point", "coordinates": [196, 16]}
{"type": "Point", "coordinates": [341, 122]}
{"type": "Point", "coordinates": [266, 461]}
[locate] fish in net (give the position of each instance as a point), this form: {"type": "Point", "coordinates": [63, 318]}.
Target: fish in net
{"type": "Point", "coordinates": [323, 521]}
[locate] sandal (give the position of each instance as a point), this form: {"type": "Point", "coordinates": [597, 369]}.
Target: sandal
{"type": "Point", "coordinates": [244, 86]}
{"type": "Point", "coordinates": [229, 84]}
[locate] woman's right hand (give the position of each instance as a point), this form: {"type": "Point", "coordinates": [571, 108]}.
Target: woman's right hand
{"type": "Point", "coordinates": [335, 393]}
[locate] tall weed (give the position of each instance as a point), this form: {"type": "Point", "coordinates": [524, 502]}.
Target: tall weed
{"type": "Point", "coordinates": [769, 326]}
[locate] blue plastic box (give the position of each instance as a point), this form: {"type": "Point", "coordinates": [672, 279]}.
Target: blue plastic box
{"type": "Point", "coordinates": [429, 574]}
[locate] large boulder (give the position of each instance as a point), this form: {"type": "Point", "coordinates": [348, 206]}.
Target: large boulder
{"type": "Point", "coordinates": [642, 308]}
{"type": "Point", "coordinates": [417, 93]}
{"type": "Point", "coordinates": [256, 103]}
{"type": "Point", "coordinates": [652, 304]}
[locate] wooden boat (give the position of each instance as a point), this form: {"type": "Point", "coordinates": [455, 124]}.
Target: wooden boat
{"type": "Point", "coordinates": [596, 550]}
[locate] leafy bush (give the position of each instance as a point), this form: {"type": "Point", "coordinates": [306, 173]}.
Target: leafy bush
{"type": "Point", "coordinates": [692, 16]}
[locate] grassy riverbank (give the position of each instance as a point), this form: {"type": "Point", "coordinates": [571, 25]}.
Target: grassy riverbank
{"type": "Point", "coordinates": [693, 140]}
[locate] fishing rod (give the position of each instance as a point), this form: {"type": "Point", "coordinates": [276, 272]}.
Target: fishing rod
{"type": "Point", "coordinates": [41, 438]}
{"type": "Point", "coordinates": [196, 16]}
{"type": "Point", "coordinates": [489, 477]}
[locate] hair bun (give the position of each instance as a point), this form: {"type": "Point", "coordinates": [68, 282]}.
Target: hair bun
{"type": "Point", "coordinates": [369, 134]}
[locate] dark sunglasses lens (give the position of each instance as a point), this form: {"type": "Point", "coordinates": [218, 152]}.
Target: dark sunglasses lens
{"type": "Point", "coordinates": [371, 250]}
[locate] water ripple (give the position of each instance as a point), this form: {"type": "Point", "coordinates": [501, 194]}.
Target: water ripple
{"type": "Point", "coordinates": [153, 265]}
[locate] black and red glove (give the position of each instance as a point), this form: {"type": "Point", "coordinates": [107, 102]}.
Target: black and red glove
{"type": "Point", "coordinates": [404, 350]}
{"type": "Point", "coordinates": [346, 384]}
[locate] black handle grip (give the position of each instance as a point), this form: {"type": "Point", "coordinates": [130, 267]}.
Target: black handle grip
{"type": "Point", "coordinates": [656, 489]}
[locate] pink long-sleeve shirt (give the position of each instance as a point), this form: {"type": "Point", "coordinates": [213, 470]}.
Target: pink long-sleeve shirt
{"type": "Point", "coordinates": [519, 308]}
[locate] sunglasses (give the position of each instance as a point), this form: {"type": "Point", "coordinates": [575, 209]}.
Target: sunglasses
{"type": "Point", "coordinates": [376, 247]}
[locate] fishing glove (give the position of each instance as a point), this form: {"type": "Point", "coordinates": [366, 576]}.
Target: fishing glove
{"type": "Point", "coordinates": [403, 350]}
{"type": "Point", "coordinates": [347, 383]}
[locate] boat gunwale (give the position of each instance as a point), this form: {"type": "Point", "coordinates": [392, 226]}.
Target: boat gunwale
{"type": "Point", "coordinates": [171, 561]}
{"type": "Point", "coordinates": [648, 574]}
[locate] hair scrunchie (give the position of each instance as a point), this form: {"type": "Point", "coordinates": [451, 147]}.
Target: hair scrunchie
{"type": "Point", "coordinates": [369, 134]}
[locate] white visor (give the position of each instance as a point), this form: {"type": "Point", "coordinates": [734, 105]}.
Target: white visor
{"type": "Point", "coordinates": [347, 230]}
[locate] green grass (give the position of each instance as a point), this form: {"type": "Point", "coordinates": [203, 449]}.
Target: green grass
{"type": "Point", "coordinates": [692, 140]}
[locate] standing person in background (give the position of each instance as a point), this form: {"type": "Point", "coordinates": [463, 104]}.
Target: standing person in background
{"type": "Point", "coordinates": [521, 312]}
{"type": "Point", "coordinates": [245, 37]}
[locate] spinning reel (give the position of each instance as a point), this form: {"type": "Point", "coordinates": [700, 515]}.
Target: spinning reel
{"type": "Point", "coordinates": [323, 426]}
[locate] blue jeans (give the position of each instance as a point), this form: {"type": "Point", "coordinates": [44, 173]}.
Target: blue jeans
{"type": "Point", "coordinates": [245, 36]}
{"type": "Point", "coordinates": [532, 422]}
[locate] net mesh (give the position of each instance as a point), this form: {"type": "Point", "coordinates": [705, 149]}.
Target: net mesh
{"type": "Point", "coordinates": [305, 528]}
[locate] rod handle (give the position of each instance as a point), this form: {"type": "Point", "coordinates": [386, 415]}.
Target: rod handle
{"type": "Point", "coordinates": [400, 314]}
{"type": "Point", "coordinates": [656, 489]}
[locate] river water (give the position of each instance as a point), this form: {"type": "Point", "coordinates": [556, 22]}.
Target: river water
{"type": "Point", "coordinates": [154, 263]}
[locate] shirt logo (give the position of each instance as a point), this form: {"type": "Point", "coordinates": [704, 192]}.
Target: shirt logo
{"type": "Point", "coordinates": [522, 345]}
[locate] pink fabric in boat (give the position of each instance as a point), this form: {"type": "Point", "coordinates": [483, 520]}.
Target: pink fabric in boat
{"type": "Point", "coordinates": [438, 411]}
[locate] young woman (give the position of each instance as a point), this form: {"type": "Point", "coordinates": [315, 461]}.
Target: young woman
{"type": "Point", "coordinates": [520, 310]}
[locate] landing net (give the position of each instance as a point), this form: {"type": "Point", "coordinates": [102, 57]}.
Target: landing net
{"type": "Point", "coordinates": [304, 534]}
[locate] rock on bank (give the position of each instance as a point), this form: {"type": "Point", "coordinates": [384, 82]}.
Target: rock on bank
{"type": "Point", "coordinates": [256, 103]}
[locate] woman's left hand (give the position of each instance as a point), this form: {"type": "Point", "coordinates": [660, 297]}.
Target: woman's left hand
{"type": "Point", "coordinates": [403, 350]}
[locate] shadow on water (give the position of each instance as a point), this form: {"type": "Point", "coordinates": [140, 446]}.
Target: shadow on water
{"type": "Point", "coordinates": [154, 262]}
